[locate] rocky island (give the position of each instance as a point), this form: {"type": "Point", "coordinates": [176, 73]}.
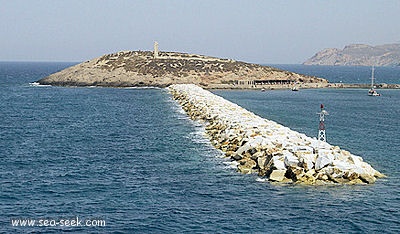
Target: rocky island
{"type": "Point", "coordinates": [161, 69]}
{"type": "Point", "coordinates": [358, 55]}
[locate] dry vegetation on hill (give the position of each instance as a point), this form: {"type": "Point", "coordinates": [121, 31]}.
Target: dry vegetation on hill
{"type": "Point", "coordinates": [141, 68]}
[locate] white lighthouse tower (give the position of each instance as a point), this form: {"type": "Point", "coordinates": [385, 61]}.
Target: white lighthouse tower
{"type": "Point", "coordinates": [155, 52]}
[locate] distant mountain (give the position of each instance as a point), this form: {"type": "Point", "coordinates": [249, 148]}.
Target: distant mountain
{"type": "Point", "coordinates": [358, 55]}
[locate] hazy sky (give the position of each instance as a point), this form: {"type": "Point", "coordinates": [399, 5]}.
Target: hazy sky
{"type": "Point", "coordinates": [263, 31]}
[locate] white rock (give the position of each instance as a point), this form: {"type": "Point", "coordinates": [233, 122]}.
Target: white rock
{"type": "Point", "coordinates": [368, 169]}
{"type": "Point", "coordinates": [277, 162]}
{"type": "Point", "coordinates": [307, 160]}
{"type": "Point", "coordinates": [303, 149]}
{"type": "Point", "coordinates": [256, 141]}
{"type": "Point", "coordinates": [316, 144]}
{"type": "Point", "coordinates": [244, 148]}
{"type": "Point", "coordinates": [356, 160]}
{"type": "Point", "coordinates": [343, 165]}
{"type": "Point", "coordinates": [290, 159]}
{"type": "Point", "coordinates": [324, 158]}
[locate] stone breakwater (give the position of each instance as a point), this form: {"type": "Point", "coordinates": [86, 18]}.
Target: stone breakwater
{"type": "Point", "coordinates": [265, 147]}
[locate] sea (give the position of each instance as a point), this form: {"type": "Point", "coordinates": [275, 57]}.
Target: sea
{"type": "Point", "coordinates": [128, 160]}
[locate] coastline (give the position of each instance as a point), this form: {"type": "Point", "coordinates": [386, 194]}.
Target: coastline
{"type": "Point", "coordinates": [300, 86]}
{"type": "Point", "coordinates": [214, 86]}
{"type": "Point", "coordinates": [163, 69]}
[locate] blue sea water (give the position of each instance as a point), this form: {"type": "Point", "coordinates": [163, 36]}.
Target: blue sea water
{"type": "Point", "coordinates": [347, 74]}
{"type": "Point", "coordinates": [132, 157]}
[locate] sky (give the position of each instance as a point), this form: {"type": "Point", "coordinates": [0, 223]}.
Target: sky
{"type": "Point", "coordinates": [256, 31]}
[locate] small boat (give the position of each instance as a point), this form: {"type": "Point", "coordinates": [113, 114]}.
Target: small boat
{"type": "Point", "coordinates": [295, 88]}
{"type": "Point", "coordinates": [262, 90]}
{"type": "Point", "coordinates": [372, 91]}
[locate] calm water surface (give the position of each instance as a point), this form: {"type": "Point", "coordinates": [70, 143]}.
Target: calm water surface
{"type": "Point", "coordinates": [132, 158]}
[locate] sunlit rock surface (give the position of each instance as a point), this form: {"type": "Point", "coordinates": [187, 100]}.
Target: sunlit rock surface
{"type": "Point", "coordinates": [265, 147]}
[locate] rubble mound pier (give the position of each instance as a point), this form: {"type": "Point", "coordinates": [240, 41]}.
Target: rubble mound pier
{"type": "Point", "coordinates": [271, 150]}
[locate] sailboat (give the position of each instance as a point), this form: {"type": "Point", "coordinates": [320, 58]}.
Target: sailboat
{"type": "Point", "coordinates": [372, 91]}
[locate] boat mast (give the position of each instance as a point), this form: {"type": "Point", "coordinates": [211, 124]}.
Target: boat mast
{"type": "Point", "coordinates": [372, 77]}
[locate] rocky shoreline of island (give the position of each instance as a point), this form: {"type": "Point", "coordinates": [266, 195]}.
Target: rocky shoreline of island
{"type": "Point", "coordinates": [161, 69]}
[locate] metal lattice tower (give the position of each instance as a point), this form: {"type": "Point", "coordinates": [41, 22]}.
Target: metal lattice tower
{"type": "Point", "coordinates": [321, 129]}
